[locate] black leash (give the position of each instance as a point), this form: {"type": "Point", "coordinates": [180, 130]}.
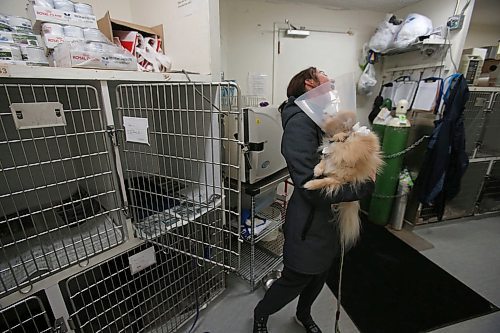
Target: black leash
{"type": "Point", "coordinates": [337, 314]}
{"type": "Point", "coordinates": [196, 295]}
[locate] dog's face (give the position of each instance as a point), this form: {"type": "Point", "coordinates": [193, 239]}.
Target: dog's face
{"type": "Point", "coordinates": [343, 121]}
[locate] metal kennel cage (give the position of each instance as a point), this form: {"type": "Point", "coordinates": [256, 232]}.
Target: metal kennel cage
{"type": "Point", "coordinates": [475, 118]}
{"type": "Point", "coordinates": [489, 146]}
{"type": "Point", "coordinates": [159, 298]}
{"type": "Point", "coordinates": [72, 170]}
{"type": "Point", "coordinates": [175, 170]}
{"type": "Point", "coordinates": [479, 184]}
{"type": "Point", "coordinates": [59, 204]}
{"type": "Point", "coordinates": [31, 314]}
{"type": "Point", "coordinates": [489, 200]}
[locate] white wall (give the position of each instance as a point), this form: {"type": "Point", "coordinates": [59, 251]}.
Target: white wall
{"type": "Point", "coordinates": [485, 24]}
{"type": "Point", "coordinates": [120, 9]}
{"type": "Point", "coordinates": [13, 7]}
{"type": "Point", "coordinates": [187, 30]}
{"type": "Point", "coordinates": [247, 35]}
{"type": "Point", "coordinates": [482, 35]}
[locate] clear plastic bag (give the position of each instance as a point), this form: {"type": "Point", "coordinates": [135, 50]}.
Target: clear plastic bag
{"type": "Point", "coordinates": [367, 80]}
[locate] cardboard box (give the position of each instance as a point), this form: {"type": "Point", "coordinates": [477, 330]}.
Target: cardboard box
{"type": "Point", "coordinates": [491, 71]}
{"type": "Point", "coordinates": [39, 14]}
{"type": "Point", "coordinates": [490, 65]}
{"type": "Point", "coordinates": [108, 25]}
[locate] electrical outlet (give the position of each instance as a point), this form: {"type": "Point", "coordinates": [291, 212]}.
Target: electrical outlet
{"type": "Point", "coordinates": [455, 22]}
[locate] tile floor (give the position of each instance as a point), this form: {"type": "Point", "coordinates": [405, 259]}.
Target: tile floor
{"type": "Point", "coordinates": [469, 249]}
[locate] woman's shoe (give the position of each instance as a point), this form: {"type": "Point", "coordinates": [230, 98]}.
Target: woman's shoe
{"type": "Point", "coordinates": [308, 324]}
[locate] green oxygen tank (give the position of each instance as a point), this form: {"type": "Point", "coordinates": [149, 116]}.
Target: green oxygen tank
{"type": "Point", "coordinates": [378, 127]}
{"type": "Point", "coordinates": [395, 139]}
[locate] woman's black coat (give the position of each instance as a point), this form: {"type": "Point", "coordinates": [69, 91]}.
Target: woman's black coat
{"type": "Point", "coordinates": [311, 237]}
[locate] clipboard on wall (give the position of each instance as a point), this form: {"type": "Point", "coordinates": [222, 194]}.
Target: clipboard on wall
{"type": "Point", "coordinates": [404, 88]}
{"type": "Point", "coordinates": [387, 90]}
{"type": "Point", "coordinates": [428, 94]}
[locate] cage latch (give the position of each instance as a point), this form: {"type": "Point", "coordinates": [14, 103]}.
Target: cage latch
{"type": "Point", "coordinates": [60, 326]}
{"type": "Point", "coordinates": [110, 129]}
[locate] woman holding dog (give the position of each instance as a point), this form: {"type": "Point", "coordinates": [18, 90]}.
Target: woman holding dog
{"type": "Point", "coordinates": [311, 239]}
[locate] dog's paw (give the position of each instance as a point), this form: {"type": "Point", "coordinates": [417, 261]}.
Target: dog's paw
{"type": "Point", "coordinates": [318, 170]}
{"type": "Point", "coordinates": [313, 184]}
{"type": "Point", "coordinates": [309, 184]}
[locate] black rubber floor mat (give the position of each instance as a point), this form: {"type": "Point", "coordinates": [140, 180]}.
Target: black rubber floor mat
{"type": "Point", "coordinates": [387, 286]}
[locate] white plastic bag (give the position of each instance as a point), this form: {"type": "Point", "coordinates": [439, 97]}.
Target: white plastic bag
{"type": "Point", "coordinates": [384, 34]}
{"type": "Point", "coordinates": [367, 80]}
{"type": "Point", "coordinates": [414, 26]}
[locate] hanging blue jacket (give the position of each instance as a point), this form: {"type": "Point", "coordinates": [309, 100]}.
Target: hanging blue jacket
{"type": "Point", "coordinates": [445, 161]}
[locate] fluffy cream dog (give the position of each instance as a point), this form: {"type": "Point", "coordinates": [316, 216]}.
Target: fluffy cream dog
{"type": "Point", "coordinates": [349, 156]}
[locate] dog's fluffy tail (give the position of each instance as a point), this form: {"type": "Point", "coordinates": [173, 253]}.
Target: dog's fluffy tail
{"type": "Point", "coordinates": [349, 224]}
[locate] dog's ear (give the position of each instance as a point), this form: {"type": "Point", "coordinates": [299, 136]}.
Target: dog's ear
{"type": "Point", "coordinates": [348, 119]}
{"type": "Point", "coordinates": [333, 125]}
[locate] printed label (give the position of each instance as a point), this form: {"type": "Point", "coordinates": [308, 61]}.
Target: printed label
{"type": "Point", "coordinates": [4, 70]}
{"type": "Point", "coordinates": [142, 260]}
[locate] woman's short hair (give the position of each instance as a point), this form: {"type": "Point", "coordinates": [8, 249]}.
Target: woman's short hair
{"type": "Point", "coordinates": [297, 86]}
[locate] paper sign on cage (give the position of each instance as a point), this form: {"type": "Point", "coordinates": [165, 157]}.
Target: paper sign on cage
{"type": "Point", "coordinates": [136, 129]}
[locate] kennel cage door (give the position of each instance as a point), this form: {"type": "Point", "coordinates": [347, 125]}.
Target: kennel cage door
{"type": "Point", "coordinates": [178, 184]}
{"type": "Point", "coordinates": [489, 140]}
{"type": "Point", "coordinates": [59, 201]}
{"type": "Point", "coordinates": [37, 115]}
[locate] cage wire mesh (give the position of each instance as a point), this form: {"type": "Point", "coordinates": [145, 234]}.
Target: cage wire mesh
{"type": "Point", "coordinates": [160, 298]}
{"type": "Point", "coordinates": [490, 195]}
{"type": "Point", "coordinates": [464, 204]}
{"type": "Point", "coordinates": [27, 315]}
{"type": "Point", "coordinates": [175, 165]}
{"type": "Point", "coordinates": [58, 199]}
{"type": "Point", "coordinates": [230, 99]}
{"type": "Point", "coordinates": [479, 186]}
{"type": "Point", "coordinates": [474, 118]}
{"type": "Point", "coordinates": [489, 140]}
